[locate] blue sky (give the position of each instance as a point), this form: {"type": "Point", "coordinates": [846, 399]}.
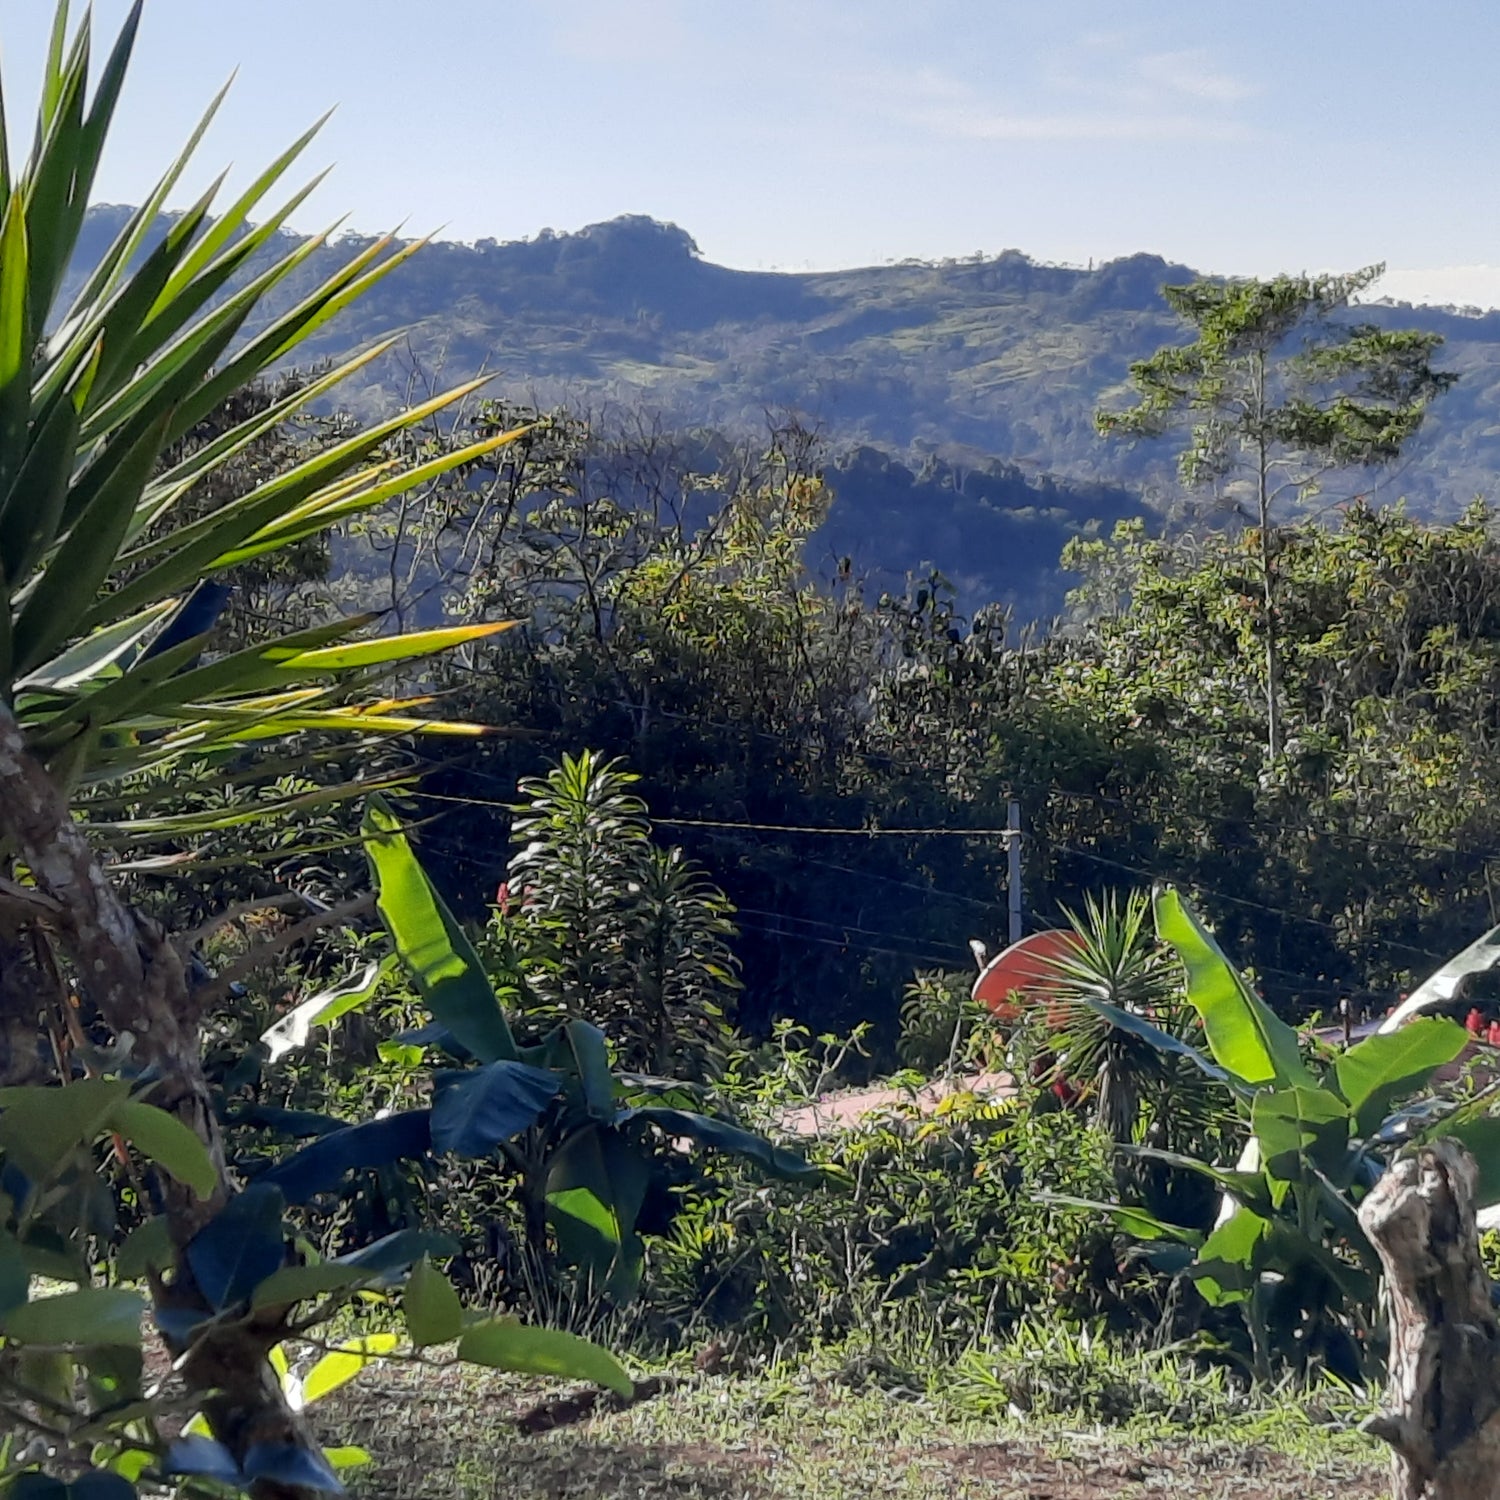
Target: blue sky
{"type": "Point", "coordinates": [1240, 138]}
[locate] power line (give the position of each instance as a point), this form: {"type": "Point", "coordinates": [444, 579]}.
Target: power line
{"type": "Point", "coordinates": [848, 947]}
{"type": "Point", "coordinates": [847, 927]}
{"type": "Point", "coordinates": [748, 827]}
{"type": "Point", "coordinates": [1285, 914]}
{"type": "Point", "coordinates": [1052, 789]}
{"type": "Point", "coordinates": [1208, 890]}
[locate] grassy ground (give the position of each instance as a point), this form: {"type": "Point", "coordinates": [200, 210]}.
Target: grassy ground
{"type": "Point", "coordinates": [810, 1434]}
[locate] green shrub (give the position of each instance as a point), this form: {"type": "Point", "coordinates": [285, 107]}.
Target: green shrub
{"type": "Point", "coordinates": [943, 1223]}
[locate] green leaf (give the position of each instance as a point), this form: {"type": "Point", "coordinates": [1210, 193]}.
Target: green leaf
{"type": "Point", "coordinates": [1376, 1072]}
{"type": "Point", "coordinates": [87, 660]}
{"type": "Point", "coordinates": [1245, 1036]}
{"type": "Point", "coordinates": [298, 1283]}
{"type": "Point", "coordinates": [1248, 1188]}
{"type": "Point", "coordinates": [1134, 1221]}
{"type": "Point", "coordinates": [14, 348]}
{"type": "Point", "coordinates": [15, 340]}
{"type": "Point", "coordinates": [320, 1167]}
{"type": "Point", "coordinates": [1226, 1267]}
{"type": "Point", "coordinates": [438, 956]}
{"type": "Point", "coordinates": [475, 1109]}
{"type": "Point", "coordinates": [590, 1054]}
{"type": "Point", "coordinates": [1481, 1139]}
{"type": "Point", "coordinates": [1137, 1026]}
{"type": "Point", "coordinates": [168, 1142]}
{"type": "Point", "coordinates": [721, 1135]}
{"type": "Point", "coordinates": [1300, 1124]}
{"type": "Point", "coordinates": [431, 1307]}
{"type": "Point", "coordinates": [504, 1344]}
{"type": "Point", "coordinates": [77, 570]}
{"type": "Point", "coordinates": [344, 1363]}
{"type": "Point", "coordinates": [33, 502]}
{"type": "Point", "coordinates": [240, 1247]}
{"type": "Point", "coordinates": [228, 222]}
{"type": "Point", "coordinates": [347, 1457]}
{"type": "Point", "coordinates": [393, 648]}
{"type": "Point", "coordinates": [40, 1128]}
{"type": "Point", "coordinates": [147, 1247]}
{"type": "Point", "coordinates": [92, 1316]}
{"type": "Point", "coordinates": [596, 1184]}
{"type": "Point", "coordinates": [294, 1028]}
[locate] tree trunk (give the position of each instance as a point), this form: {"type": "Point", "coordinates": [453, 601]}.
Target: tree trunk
{"type": "Point", "coordinates": [135, 978]}
{"type": "Point", "coordinates": [1268, 586]}
{"type": "Point", "coordinates": [1442, 1416]}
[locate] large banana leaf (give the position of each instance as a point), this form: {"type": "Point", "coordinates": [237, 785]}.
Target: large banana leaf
{"type": "Point", "coordinates": [1376, 1072]}
{"type": "Point", "coordinates": [1246, 1037]}
{"type": "Point", "coordinates": [439, 957]}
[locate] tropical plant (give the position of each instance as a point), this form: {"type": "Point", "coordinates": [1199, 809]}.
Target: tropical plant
{"type": "Point", "coordinates": [1288, 1251]}
{"type": "Point", "coordinates": [601, 924]}
{"type": "Point", "coordinates": [109, 587]}
{"type": "Point", "coordinates": [583, 1143]}
{"type": "Point", "coordinates": [1136, 1091]}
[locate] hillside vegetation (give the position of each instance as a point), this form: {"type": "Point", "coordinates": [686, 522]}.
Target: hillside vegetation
{"type": "Point", "coordinates": [981, 376]}
{"type": "Point", "coordinates": [1003, 356]}
{"type": "Point", "coordinates": [460, 868]}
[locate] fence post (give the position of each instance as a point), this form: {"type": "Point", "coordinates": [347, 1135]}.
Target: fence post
{"type": "Point", "coordinates": [1013, 866]}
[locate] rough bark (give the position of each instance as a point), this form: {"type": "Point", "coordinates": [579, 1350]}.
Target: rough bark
{"type": "Point", "coordinates": [135, 979]}
{"type": "Point", "coordinates": [1442, 1416]}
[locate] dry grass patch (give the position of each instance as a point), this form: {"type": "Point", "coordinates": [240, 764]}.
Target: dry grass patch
{"type": "Point", "coordinates": [453, 1433]}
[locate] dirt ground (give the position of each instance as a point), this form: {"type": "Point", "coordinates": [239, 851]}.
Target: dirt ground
{"type": "Point", "coordinates": [435, 1435]}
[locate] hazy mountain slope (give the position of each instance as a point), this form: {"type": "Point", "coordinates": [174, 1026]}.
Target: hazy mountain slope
{"type": "Point", "coordinates": [999, 357]}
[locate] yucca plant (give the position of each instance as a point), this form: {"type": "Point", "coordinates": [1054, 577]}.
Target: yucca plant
{"type": "Point", "coordinates": [106, 550]}
{"type": "Point", "coordinates": [1116, 962]}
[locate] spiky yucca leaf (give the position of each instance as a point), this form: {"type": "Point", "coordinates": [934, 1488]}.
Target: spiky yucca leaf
{"type": "Point", "coordinates": [1117, 962]}
{"type": "Point", "coordinates": [98, 545]}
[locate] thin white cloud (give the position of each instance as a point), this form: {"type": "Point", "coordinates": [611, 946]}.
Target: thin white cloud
{"type": "Point", "coordinates": [960, 123]}
{"type": "Point", "coordinates": [1192, 74]}
{"type": "Point", "coordinates": [1163, 97]}
{"type": "Point", "coordinates": [1108, 69]}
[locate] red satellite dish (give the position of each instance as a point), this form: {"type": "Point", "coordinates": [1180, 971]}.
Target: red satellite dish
{"type": "Point", "coordinates": [1021, 970]}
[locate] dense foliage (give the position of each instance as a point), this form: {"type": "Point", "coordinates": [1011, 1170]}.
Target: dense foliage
{"type": "Point", "coordinates": [994, 359]}
{"type": "Point", "coordinates": [562, 1077]}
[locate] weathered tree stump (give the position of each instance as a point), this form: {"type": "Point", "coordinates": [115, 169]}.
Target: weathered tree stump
{"type": "Point", "coordinates": [1442, 1416]}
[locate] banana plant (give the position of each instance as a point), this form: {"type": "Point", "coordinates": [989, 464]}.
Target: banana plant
{"type": "Point", "coordinates": [582, 1141]}
{"type": "Point", "coordinates": [71, 1360]}
{"type": "Point", "coordinates": [1287, 1250]}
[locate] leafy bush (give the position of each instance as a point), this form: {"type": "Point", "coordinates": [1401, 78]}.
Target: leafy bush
{"type": "Point", "coordinates": [943, 1228]}
{"type": "Point", "coordinates": [1288, 1252]}
{"type": "Point", "coordinates": [936, 1015]}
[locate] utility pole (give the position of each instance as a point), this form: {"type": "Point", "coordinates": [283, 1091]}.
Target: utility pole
{"type": "Point", "coordinates": [1013, 867]}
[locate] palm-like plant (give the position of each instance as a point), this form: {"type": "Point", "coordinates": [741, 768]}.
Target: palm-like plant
{"type": "Point", "coordinates": [104, 544]}
{"type": "Point", "coordinates": [1117, 961]}
{"type": "Point", "coordinates": [613, 929]}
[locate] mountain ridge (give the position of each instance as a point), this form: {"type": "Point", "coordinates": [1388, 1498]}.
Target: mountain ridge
{"type": "Point", "coordinates": [995, 361]}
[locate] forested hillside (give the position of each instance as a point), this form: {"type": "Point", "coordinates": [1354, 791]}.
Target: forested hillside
{"type": "Point", "coordinates": [981, 376]}
{"type": "Point", "coordinates": [461, 852]}
{"type": "Point", "coordinates": [1002, 356]}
